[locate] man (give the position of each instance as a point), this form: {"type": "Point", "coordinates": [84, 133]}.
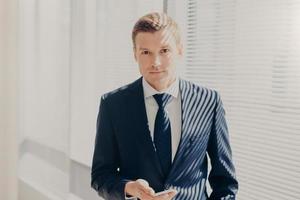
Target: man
{"type": "Point", "coordinates": [155, 133]}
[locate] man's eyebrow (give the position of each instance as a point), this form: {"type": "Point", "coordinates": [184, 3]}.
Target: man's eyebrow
{"type": "Point", "coordinates": [142, 48]}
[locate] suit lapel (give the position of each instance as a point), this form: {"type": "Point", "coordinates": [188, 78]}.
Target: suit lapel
{"type": "Point", "coordinates": [187, 98]}
{"type": "Point", "coordinates": [140, 117]}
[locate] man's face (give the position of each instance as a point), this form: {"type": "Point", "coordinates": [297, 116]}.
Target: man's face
{"type": "Point", "coordinates": [157, 54]}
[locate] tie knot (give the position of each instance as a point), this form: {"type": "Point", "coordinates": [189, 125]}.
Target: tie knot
{"type": "Point", "coordinates": [162, 99]}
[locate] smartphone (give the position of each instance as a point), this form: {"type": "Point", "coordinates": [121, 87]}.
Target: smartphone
{"type": "Point", "coordinates": [165, 192]}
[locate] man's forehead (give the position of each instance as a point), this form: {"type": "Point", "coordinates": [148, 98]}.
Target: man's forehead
{"type": "Point", "coordinates": [159, 38]}
{"type": "Point", "coordinates": [142, 47]}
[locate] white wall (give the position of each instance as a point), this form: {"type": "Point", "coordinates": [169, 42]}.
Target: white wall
{"type": "Point", "coordinates": [8, 100]}
{"type": "Point", "coordinates": [68, 51]}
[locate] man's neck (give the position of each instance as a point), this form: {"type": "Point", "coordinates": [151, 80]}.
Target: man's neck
{"type": "Point", "coordinates": [163, 86]}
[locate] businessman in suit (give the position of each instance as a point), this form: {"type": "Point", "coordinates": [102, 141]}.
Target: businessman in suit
{"type": "Point", "coordinates": [155, 133]}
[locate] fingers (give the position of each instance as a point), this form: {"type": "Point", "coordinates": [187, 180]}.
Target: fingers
{"type": "Point", "coordinates": [144, 186]}
{"type": "Point", "coordinates": [145, 192]}
{"type": "Point", "coordinates": [172, 194]}
{"type": "Point", "coordinates": [140, 189]}
{"type": "Point", "coordinates": [168, 196]}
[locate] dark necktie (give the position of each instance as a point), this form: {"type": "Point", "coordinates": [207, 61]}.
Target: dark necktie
{"type": "Point", "coordinates": [162, 133]}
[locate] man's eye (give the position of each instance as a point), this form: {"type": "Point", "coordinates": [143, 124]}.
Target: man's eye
{"type": "Point", "coordinates": [165, 50]}
{"type": "Point", "coordinates": [145, 52]}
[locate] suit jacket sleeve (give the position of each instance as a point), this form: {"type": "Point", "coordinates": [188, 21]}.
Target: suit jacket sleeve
{"type": "Point", "coordinates": [106, 179]}
{"type": "Point", "coordinates": [222, 175]}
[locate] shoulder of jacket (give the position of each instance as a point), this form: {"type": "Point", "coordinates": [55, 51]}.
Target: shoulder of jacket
{"type": "Point", "coordinates": [121, 92]}
{"type": "Point", "coordinates": [197, 88]}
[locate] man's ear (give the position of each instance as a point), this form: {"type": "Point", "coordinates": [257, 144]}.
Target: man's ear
{"type": "Point", "coordinates": [180, 49]}
{"type": "Point", "coordinates": [134, 53]}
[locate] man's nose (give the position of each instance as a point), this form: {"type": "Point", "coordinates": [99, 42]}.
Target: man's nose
{"type": "Point", "coordinates": [157, 61]}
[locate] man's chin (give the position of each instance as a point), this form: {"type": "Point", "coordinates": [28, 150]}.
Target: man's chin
{"type": "Point", "coordinates": [158, 80]}
{"type": "Point", "coordinates": [157, 75]}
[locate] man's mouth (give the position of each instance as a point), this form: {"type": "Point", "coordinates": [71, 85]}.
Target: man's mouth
{"type": "Point", "coordinates": [156, 72]}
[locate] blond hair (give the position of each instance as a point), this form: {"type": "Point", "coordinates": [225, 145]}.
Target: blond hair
{"type": "Point", "coordinates": [154, 22]}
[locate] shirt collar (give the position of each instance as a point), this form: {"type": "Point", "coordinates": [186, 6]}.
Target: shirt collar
{"type": "Point", "coordinates": [172, 89]}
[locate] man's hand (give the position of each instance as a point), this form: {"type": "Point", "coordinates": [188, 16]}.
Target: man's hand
{"type": "Point", "coordinates": [141, 189]}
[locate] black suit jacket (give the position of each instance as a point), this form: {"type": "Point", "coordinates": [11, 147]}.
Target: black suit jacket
{"type": "Point", "coordinates": [124, 149]}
